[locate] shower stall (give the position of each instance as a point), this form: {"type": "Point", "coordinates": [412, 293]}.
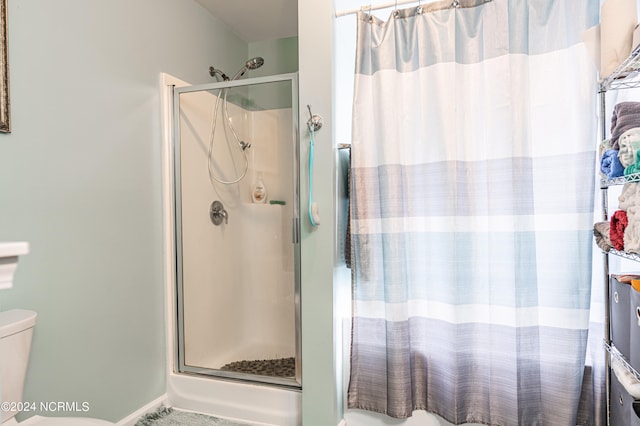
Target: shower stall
{"type": "Point", "coordinates": [237, 254]}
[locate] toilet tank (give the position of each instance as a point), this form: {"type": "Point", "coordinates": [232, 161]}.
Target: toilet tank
{"type": "Point", "coordinates": [16, 330]}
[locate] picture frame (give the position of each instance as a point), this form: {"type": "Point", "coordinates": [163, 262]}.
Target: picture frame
{"type": "Point", "coordinates": [5, 104]}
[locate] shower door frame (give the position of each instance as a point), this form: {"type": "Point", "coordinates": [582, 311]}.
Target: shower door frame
{"type": "Point", "coordinates": [179, 351]}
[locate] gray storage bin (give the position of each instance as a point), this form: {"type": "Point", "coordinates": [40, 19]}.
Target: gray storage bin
{"type": "Point", "coordinates": [620, 321]}
{"type": "Point", "coordinates": [621, 403]}
{"type": "Point", "coordinates": [635, 329]}
{"type": "Point", "coordinates": [635, 413]}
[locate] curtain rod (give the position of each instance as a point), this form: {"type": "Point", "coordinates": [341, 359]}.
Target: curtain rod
{"type": "Point", "coordinates": [376, 7]}
{"type": "Point", "coordinates": [454, 3]}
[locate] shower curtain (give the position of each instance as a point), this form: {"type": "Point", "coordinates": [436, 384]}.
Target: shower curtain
{"type": "Point", "coordinates": [473, 151]}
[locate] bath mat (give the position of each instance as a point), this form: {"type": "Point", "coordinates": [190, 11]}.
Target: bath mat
{"type": "Point", "coordinates": [166, 416]}
{"type": "Point", "coordinates": [280, 367]}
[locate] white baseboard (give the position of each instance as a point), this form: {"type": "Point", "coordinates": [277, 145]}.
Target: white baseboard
{"type": "Point", "coordinates": [343, 422]}
{"type": "Point", "coordinates": [132, 418]}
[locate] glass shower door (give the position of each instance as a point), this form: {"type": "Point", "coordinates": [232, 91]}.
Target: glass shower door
{"type": "Point", "coordinates": [237, 260]}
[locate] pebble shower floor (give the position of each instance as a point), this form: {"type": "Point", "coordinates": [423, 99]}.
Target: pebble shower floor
{"type": "Point", "coordinates": [280, 367]}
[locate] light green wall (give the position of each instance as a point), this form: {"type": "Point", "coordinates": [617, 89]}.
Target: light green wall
{"type": "Point", "coordinates": [80, 179]}
{"type": "Point", "coordinates": [321, 363]}
{"type": "Point", "coordinates": [280, 57]}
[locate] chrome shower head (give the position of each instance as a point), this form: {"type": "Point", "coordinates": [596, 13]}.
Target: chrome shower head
{"type": "Point", "coordinates": [213, 72]}
{"type": "Point", "coordinates": [255, 63]}
{"type": "Point", "coordinates": [252, 64]}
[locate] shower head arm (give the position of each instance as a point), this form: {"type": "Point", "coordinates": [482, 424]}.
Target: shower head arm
{"type": "Point", "coordinates": [213, 72]}
{"type": "Point", "coordinates": [240, 73]}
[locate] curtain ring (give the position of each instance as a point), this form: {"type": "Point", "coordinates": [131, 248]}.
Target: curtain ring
{"type": "Point", "coordinates": [419, 8]}
{"type": "Point", "coordinates": [370, 15]}
{"type": "Point", "coordinates": [395, 9]}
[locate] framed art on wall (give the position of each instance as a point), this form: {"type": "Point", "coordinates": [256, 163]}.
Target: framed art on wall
{"type": "Point", "coordinates": [5, 110]}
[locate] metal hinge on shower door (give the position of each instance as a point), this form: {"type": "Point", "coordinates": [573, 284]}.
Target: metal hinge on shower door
{"type": "Point", "coordinates": [295, 232]}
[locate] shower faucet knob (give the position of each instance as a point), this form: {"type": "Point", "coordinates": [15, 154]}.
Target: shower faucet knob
{"type": "Point", "coordinates": [217, 213]}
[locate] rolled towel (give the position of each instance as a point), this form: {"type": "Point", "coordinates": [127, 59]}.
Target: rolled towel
{"type": "Point", "coordinates": [628, 145]}
{"type": "Point", "coordinates": [610, 164]}
{"type": "Point", "coordinates": [627, 198]}
{"type": "Point", "coordinates": [619, 223]}
{"type": "Point", "coordinates": [632, 235]}
{"type": "Point", "coordinates": [603, 147]}
{"type": "Point", "coordinates": [626, 115]}
{"type": "Point", "coordinates": [629, 202]}
{"type": "Point", "coordinates": [626, 378]}
{"type": "Point", "coordinates": [601, 233]}
{"type": "Point", "coordinates": [633, 168]}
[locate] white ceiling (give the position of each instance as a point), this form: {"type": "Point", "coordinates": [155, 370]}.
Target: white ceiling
{"type": "Point", "coordinates": [256, 20]}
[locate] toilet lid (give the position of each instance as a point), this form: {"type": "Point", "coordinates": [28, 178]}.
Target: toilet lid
{"type": "Point", "coordinates": [64, 421]}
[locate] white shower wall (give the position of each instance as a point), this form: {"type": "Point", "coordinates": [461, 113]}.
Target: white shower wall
{"type": "Point", "coordinates": [238, 277]}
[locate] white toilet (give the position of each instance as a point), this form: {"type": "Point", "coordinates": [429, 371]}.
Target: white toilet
{"type": "Point", "coordinates": [16, 330]}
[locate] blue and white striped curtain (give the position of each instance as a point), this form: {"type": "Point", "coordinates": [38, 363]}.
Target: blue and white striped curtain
{"type": "Point", "coordinates": [473, 155]}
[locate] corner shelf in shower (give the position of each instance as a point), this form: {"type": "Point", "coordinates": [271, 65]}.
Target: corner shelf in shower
{"type": "Point", "coordinates": [263, 205]}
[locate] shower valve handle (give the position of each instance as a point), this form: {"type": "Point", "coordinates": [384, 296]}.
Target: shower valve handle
{"type": "Point", "coordinates": [217, 213]}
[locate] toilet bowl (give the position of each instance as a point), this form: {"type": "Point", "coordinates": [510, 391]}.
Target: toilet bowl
{"type": "Point", "coordinates": [16, 330]}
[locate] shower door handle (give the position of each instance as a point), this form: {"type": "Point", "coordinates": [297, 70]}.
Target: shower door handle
{"type": "Point", "coordinates": [217, 213]}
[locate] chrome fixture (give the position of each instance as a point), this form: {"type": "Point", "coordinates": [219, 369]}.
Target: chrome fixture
{"type": "Point", "coordinates": [213, 72]}
{"type": "Point", "coordinates": [217, 213]}
{"type": "Point", "coordinates": [251, 64]}
{"type": "Point", "coordinates": [314, 120]}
